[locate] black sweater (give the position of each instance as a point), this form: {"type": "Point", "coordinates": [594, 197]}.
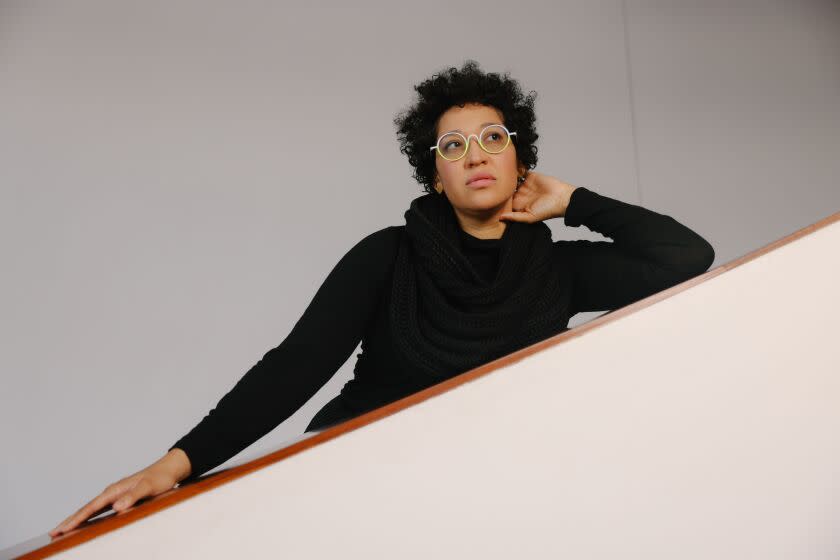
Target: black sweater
{"type": "Point", "coordinates": [648, 253]}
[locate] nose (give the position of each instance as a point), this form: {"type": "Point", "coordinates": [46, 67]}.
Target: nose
{"type": "Point", "coordinates": [474, 151]}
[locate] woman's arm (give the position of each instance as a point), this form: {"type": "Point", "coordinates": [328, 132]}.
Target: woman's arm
{"type": "Point", "coordinates": [288, 375]}
{"type": "Point", "coordinates": [649, 252]}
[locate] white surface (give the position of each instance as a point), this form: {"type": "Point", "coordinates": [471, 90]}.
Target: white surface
{"type": "Point", "coordinates": [704, 426]}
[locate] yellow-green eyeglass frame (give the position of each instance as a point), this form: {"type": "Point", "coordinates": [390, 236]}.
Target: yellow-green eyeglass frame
{"type": "Point", "coordinates": [467, 141]}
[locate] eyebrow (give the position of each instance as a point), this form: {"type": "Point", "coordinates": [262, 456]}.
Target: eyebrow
{"type": "Point", "coordinates": [482, 126]}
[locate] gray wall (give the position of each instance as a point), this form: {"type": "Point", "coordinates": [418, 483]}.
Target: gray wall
{"type": "Point", "coordinates": [173, 186]}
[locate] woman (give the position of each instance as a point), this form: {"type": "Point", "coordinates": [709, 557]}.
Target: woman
{"type": "Point", "coordinates": [471, 276]}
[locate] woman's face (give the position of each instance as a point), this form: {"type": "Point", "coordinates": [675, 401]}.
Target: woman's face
{"type": "Point", "coordinates": [454, 175]}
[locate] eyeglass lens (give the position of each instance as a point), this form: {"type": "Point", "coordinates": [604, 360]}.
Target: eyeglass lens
{"type": "Point", "coordinates": [494, 139]}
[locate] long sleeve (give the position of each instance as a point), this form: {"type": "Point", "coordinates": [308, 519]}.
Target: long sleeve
{"type": "Point", "coordinates": [290, 374]}
{"type": "Point", "coordinates": [649, 252]}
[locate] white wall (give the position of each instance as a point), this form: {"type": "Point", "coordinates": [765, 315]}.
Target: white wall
{"type": "Point", "coordinates": [173, 191]}
{"type": "Point", "coordinates": [693, 428]}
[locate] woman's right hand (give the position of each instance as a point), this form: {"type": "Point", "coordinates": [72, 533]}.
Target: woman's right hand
{"type": "Point", "coordinates": [155, 479]}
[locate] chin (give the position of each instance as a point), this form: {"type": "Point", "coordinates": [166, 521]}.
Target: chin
{"type": "Point", "coordinates": [483, 199]}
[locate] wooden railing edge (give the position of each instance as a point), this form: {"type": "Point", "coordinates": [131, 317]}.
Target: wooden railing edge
{"type": "Point", "coordinates": [176, 495]}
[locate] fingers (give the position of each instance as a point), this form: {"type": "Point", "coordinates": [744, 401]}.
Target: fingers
{"type": "Point", "coordinates": [526, 217]}
{"type": "Point", "coordinates": [72, 522]}
{"type": "Point", "coordinates": [98, 504]}
{"type": "Point", "coordinates": [140, 490]}
{"type": "Point", "coordinates": [116, 494]}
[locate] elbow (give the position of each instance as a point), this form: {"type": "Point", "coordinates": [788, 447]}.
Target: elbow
{"type": "Point", "coordinates": [707, 256]}
{"type": "Point", "coordinates": [684, 264]}
{"type": "Point", "coordinates": [698, 259]}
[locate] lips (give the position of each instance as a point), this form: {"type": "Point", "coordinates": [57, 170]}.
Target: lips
{"type": "Point", "coordinates": [479, 176]}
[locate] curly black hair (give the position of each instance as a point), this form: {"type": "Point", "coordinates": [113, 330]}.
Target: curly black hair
{"type": "Point", "coordinates": [417, 124]}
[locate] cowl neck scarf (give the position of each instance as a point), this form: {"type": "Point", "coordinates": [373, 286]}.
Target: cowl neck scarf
{"type": "Point", "coordinates": [445, 317]}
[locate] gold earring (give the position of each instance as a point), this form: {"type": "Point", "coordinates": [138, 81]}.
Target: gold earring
{"type": "Point", "coordinates": [439, 187]}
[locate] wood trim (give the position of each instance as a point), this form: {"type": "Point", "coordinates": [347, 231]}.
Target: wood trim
{"type": "Point", "coordinates": [93, 529]}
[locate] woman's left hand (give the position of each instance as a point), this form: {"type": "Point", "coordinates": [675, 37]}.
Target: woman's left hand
{"type": "Point", "coordinates": [539, 198]}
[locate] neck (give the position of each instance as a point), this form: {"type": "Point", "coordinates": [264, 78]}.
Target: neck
{"type": "Point", "coordinates": [484, 224]}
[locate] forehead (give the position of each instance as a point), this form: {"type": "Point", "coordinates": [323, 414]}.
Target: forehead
{"type": "Point", "coordinates": [468, 119]}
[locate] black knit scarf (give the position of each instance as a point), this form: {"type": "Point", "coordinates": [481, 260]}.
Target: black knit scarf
{"type": "Point", "coordinates": [445, 318]}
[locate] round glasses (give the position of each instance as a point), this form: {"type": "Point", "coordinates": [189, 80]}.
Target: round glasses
{"type": "Point", "coordinates": [453, 146]}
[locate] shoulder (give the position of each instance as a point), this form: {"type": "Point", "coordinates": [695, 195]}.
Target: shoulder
{"type": "Point", "coordinates": [367, 263]}
{"type": "Point", "coordinates": [380, 242]}
{"type": "Point", "coordinates": [370, 261]}
{"type": "Point", "coordinates": [376, 251]}
{"type": "Point", "coordinates": [389, 234]}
